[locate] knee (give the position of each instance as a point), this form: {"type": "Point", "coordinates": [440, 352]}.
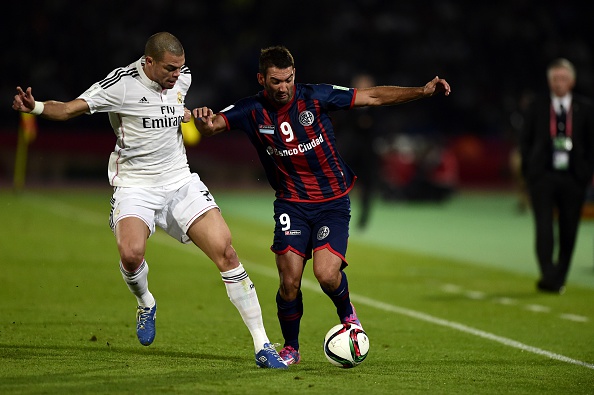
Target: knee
{"type": "Point", "coordinates": [327, 278]}
{"type": "Point", "coordinates": [289, 288]}
{"type": "Point", "coordinates": [230, 255]}
{"type": "Point", "coordinates": [226, 259]}
{"type": "Point", "coordinates": [131, 256]}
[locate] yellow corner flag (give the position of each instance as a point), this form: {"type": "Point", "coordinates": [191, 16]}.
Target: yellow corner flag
{"type": "Point", "coordinates": [191, 134]}
{"type": "Point", "coordinates": [26, 134]}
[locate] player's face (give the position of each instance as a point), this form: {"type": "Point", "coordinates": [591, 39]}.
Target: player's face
{"type": "Point", "coordinates": [561, 81]}
{"type": "Point", "coordinates": [279, 84]}
{"type": "Point", "coordinates": [166, 71]}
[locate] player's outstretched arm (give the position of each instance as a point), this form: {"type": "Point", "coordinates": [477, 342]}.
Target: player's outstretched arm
{"type": "Point", "coordinates": [54, 110]}
{"type": "Point", "coordinates": [391, 95]}
{"type": "Point", "coordinates": [207, 122]}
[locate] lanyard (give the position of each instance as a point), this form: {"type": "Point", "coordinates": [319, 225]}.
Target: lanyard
{"type": "Point", "coordinates": [568, 122]}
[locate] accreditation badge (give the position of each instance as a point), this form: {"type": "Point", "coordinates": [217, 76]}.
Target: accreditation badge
{"type": "Point", "coordinates": [562, 146]}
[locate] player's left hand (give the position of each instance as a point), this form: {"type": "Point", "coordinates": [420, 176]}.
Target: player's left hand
{"type": "Point", "coordinates": [437, 85]}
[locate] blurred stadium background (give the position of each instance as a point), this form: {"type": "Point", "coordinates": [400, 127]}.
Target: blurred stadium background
{"type": "Point", "coordinates": [494, 54]}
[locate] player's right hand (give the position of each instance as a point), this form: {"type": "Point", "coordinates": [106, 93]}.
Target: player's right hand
{"type": "Point", "coordinates": [205, 114]}
{"type": "Point", "coordinates": [23, 100]}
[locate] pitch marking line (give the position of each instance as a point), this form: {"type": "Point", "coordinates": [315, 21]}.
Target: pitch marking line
{"type": "Point", "coordinates": [429, 318]}
{"type": "Point", "coordinates": [92, 218]}
{"type": "Point", "coordinates": [535, 308]}
{"type": "Point", "coordinates": [466, 329]}
{"type": "Point", "coordinates": [573, 317]}
{"type": "Point", "coordinates": [506, 301]}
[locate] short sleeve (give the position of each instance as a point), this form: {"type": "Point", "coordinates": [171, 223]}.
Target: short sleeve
{"type": "Point", "coordinates": [101, 99]}
{"type": "Point", "coordinates": [334, 97]}
{"type": "Point", "coordinates": [234, 116]}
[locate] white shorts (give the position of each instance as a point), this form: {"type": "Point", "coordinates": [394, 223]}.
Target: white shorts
{"type": "Point", "coordinates": [172, 207]}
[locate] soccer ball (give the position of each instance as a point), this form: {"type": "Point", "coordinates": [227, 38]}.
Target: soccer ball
{"type": "Point", "coordinates": [346, 345]}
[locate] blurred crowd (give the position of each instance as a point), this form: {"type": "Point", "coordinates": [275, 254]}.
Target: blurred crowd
{"type": "Point", "coordinates": [492, 53]}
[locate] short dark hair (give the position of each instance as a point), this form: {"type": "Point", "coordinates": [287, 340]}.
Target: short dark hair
{"type": "Point", "coordinates": [162, 42]}
{"type": "Point", "coordinates": [277, 56]}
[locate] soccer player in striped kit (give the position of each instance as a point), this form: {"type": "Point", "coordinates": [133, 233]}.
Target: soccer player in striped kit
{"type": "Point", "coordinates": [152, 181]}
{"type": "Point", "coordinates": [290, 127]}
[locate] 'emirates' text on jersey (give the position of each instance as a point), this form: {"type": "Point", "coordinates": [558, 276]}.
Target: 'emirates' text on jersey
{"type": "Point", "coordinates": [146, 119]}
{"type": "Point", "coordinates": [296, 142]}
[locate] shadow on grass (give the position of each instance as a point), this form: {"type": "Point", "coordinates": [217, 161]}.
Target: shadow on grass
{"type": "Point", "coordinates": [108, 369]}
{"type": "Point", "coordinates": [33, 351]}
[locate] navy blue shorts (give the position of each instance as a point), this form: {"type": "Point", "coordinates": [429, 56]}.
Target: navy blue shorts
{"type": "Point", "coordinates": [307, 227]}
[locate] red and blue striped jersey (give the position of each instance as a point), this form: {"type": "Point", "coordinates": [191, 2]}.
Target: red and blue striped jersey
{"type": "Point", "coordinates": [296, 142]}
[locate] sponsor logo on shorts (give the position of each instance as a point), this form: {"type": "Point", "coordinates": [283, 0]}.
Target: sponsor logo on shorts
{"type": "Point", "coordinates": [292, 232]}
{"type": "Point", "coordinates": [323, 232]}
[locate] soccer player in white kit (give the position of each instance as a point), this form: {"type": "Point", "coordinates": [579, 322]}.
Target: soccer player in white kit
{"type": "Point", "coordinates": [152, 181]}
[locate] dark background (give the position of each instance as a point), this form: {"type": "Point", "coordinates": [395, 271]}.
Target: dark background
{"type": "Point", "coordinates": [494, 55]}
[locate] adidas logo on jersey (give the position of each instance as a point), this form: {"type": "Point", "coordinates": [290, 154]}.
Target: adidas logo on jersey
{"type": "Point", "coordinates": [144, 100]}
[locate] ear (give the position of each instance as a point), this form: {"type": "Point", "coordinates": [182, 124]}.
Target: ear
{"type": "Point", "coordinates": [149, 61]}
{"type": "Point", "coordinates": [261, 79]}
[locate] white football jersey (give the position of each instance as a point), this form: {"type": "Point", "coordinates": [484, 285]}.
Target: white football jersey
{"type": "Point", "coordinates": [146, 119]}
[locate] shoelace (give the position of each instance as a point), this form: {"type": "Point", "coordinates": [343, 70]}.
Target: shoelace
{"type": "Point", "coordinates": [143, 316]}
{"type": "Point", "coordinates": [287, 351]}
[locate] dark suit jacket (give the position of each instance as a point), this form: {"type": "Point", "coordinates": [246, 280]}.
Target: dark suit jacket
{"type": "Point", "coordinates": [536, 144]}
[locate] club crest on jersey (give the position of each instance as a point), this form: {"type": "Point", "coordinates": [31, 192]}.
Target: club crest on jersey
{"type": "Point", "coordinates": [266, 129]}
{"type": "Point", "coordinates": [323, 232]}
{"type": "Point", "coordinates": [306, 118]}
{"type": "Point", "coordinates": [180, 98]}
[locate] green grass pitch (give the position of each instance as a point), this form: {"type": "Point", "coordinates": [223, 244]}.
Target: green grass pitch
{"type": "Point", "coordinates": [445, 292]}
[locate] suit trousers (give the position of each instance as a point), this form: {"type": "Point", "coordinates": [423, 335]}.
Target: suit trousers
{"type": "Point", "coordinates": [556, 197]}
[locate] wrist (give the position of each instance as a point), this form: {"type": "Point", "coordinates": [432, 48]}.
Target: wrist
{"type": "Point", "coordinates": [38, 109]}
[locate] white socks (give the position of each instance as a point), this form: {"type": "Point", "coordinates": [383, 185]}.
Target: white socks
{"type": "Point", "coordinates": [242, 293]}
{"type": "Point", "coordinates": [240, 289]}
{"type": "Point", "coordinates": [138, 284]}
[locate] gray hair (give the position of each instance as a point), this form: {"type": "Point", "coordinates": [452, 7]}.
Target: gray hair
{"type": "Point", "coordinates": [561, 63]}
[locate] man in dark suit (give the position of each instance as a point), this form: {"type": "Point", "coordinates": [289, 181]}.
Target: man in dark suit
{"type": "Point", "coordinates": [557, 150]}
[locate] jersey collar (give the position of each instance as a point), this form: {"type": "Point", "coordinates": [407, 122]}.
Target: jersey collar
{"type": "Point", "coordinates": [144, 79]}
